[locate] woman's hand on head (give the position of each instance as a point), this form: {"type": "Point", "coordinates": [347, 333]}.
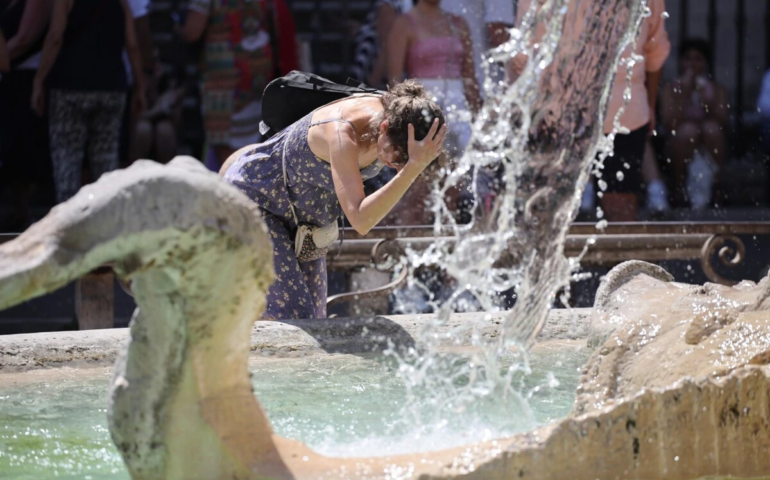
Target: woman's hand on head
{"type": "Point", "coordinates": [423, 152]}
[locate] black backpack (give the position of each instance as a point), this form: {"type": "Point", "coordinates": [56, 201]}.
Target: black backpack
{"type": "Point", "coordinates": [289, 98]}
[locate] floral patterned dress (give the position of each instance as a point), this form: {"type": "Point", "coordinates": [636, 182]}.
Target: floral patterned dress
{"type": "Point", "coordinates": [299, 290]}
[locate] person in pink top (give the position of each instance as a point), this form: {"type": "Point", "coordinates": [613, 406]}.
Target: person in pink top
{"type": "Point", "coordinates": [434, 47]}
{"type": "Point", "coordinates": [695, 111]}
{"type": "Point", "coordinates": [623, 171]}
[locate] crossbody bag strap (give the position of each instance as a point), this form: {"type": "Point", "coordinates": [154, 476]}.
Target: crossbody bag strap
{"type": "Point", "coordinates": [286, 177]}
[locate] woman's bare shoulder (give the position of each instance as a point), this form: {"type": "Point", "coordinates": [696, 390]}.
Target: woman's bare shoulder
{"type": "Point", "coordinates": [459, 21]}
{"type": "Point", "coordinates": [353, 109]}
{"type": "Point", "coordinates": [404, 23]}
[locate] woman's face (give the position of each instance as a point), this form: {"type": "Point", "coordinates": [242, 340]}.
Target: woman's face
{"type": "Point", "coordinates": [385, 150]}
{"type": "Point", "coordinates": [694, 61]}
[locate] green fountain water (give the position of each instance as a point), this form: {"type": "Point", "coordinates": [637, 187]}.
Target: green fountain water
{"type": "Point", "coordinates": [340, 405]}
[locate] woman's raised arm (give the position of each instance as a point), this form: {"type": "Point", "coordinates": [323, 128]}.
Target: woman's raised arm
{"type": "Point", "coordinates": [364, 212]}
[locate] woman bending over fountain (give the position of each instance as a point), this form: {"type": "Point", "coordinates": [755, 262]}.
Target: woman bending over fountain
{"type": "Point", "coordinates": [311, 173]}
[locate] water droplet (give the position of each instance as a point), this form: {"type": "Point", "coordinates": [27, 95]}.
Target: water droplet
{"type": "Point", "coordinates": [620, 176]}
{"type": "Point", "coordinates": [601, 224]}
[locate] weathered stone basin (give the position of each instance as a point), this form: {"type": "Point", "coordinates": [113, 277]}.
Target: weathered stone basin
{"type": "Point", "coordinates": [182, 407]}
{"type": "Point", "coordinates": [668, 430]}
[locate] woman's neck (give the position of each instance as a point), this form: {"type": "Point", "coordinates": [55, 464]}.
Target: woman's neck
{"type": "Point", "coordinates": [428, 9]}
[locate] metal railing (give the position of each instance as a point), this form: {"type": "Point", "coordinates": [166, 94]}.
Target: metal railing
{"type": "Point", "coordinates": [706, 242]}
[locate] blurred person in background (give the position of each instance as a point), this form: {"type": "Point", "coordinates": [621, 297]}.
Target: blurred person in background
{"type": "Point", "coordinates": [247, 44]}
{"type": "Point", "coordinates": [622, 172]}
{"type": "Point", "coordinates": [694, 110]}
{"type": "Point", "coordinates": [140, 10]}
{"type": "Point", "coordinates": [657, 193]}
{"type": "Point", "coordinates": [435, 48]}
{"type": "Point", "coordinates": [155, 132]}
{"type": "Point", "coordinates": [24, 154]}
{"type": "Point", "coordinates": [371, 55]}
{"type": "Point", "coordinates": [82, 70]}
{"type": "Point", "coordinates": [489, 21]}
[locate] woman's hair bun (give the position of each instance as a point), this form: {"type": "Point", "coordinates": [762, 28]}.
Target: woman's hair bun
{"type": "Point", "coordinates": [407, 88]}
{"type": "Point", "coordinates": [408, 103]}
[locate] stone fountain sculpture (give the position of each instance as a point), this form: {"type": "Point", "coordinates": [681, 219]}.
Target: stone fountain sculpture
{"type": "Point", "coordinates": [199, 261]}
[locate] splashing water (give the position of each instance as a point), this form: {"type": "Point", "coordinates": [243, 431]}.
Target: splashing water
{"type": "Point", "coordinates": [55, 425]}
{"type": "Point", "coordinates": [544, 133]}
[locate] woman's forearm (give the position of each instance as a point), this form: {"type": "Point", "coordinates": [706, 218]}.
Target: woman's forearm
{"type": "Point", "coordinates": [18, 45]}
{"type": "Point", "coordinates": [364, 212]}
{"type": "Point", "coordinates": [376, 206]}
{"type": "Point", "coordinates": [51, 50]}
{"type": "Point", "coordinates": [36, 15]}
{"type": "Point", "coordinates": [54, 39]}
{"type": "Point", "coordinates": [194, 27]}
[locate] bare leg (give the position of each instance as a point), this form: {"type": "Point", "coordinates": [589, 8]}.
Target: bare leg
{"type": "Point", "coordinates": [657, 193]}
{"type": "Point", "coordinates": [713, 139]}
{"type": "Point", "coordinates": [22, 192]}
{"type": "Point", "coordinates": [650, 171]}
{"type": "Point", "coordinates": [141, 141]}
{"type": "Point", "coordinates": [165, 140]}
{"type": "Point", "coordinates": [681, 148]}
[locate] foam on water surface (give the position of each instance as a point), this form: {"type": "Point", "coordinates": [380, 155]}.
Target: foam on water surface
{"type": "Point", "coordinates": [340, 405]}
